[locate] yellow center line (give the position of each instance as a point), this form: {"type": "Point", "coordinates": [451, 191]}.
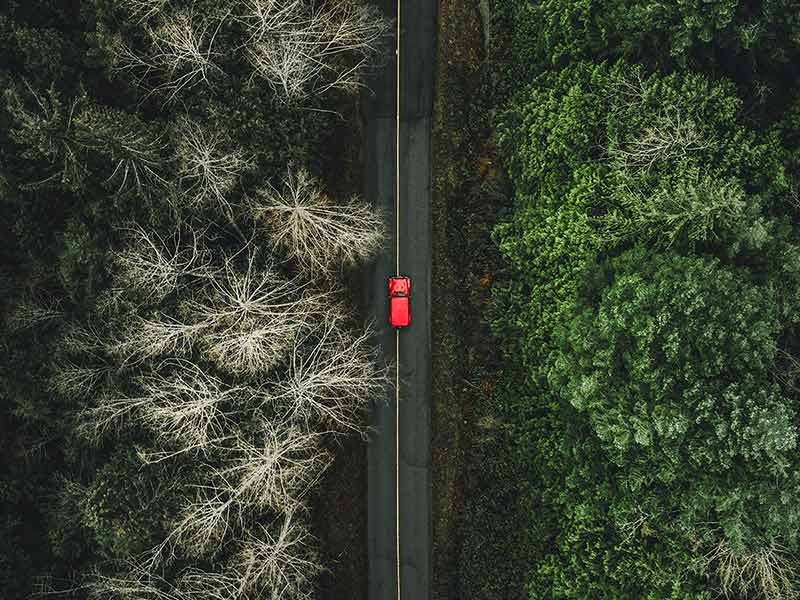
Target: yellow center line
{"type": "Point", "coordinates": [397, 151]}
{"type": "Point", "coordinates": [397, 331]}
{"type": "Point", "coordinates": [397, 461]}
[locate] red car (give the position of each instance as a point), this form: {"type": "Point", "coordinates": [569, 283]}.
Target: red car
{"type": "Point", "coordinates": [399, 301]}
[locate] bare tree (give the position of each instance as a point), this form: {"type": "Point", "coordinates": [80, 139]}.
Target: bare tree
{"type": "Point", "coordinates": [302, 48]}
{"type": "Point", "coordinates": [133, 580]}
{"type": "Point", "coordinates": [675, 132]}
{"type": "Point", "coordinates": [671, 136]}
{"type": "Point", "coordinates": [299, 47]}
{"type": "Point", "coordinates": [204, 522]}
{"type": "Point", "coordinates": [209, 170]}
{"type": "Point", "coordinates": [186, 407]}
{"type": "Point", "coordinates": [244, 317]}
{"type": "Point", "coordinates": [32, 312]}
{"type": "Point", "coordinates": [277, 470]}
{"type": "Point", "coordinates": [195, 584]}
{"type": "Point", "coordinates": [332, 378]}
{"type": "Point", "coordinates": [148, 337]}
{"type": "Point", "coordinates": [247, 349]}
{"type": "Point", "coordinates": [316, 232]}
{"type": "Point", "coordinates": [189, 408]}
{"type": "Point", "coordinates": [143, 10]}
{"type": "Point", "coordinates": [155, 266]}
{"type": "Point", "coordinates": [75, 381]}
{"type": "Point", "coordinates": [180, 55]}
{"type": "Point", "coordinates": [84, 340]}
{"type": "Point", "coordinates": [274, 471]}
{"type": "Point", "coordinates": [109, 415]}
{"type": "Point", "coordinates": [768, 573]}
{"type": "Point", "coordinates": [278, 561]}
{"type": "Point", "coordinates": [252, 315]}
{"type": "Point", "coordinates": [258, 445]}
{"type": "Point", "coordinates": [131, 585]}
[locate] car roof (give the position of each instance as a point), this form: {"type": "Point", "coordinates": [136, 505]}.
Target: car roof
{"type": "Point", "coordinates": [399, 285]}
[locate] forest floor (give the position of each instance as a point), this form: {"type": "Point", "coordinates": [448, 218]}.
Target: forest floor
{"type": "Point", "coordinates": [467, 195]}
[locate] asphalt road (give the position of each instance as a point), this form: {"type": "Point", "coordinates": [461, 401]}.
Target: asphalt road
{"type": "Point", "coordinates": [418, 55]}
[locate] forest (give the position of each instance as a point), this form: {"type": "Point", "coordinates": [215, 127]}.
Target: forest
{"type": "Point", "coordinates": [647, 303]}
{"type": "Point", "coordinates": [183, 361]}
{"type": "Point", "coordinates": [180, 357]}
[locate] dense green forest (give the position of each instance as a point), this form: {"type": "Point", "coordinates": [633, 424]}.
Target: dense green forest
{"type": "Point", "coordinates": [648, 303]}
{"type": "Point", "coordinates": [178, 352]}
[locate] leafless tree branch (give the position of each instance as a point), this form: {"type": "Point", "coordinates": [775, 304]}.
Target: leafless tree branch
{"type": "Point", "coordinates": [181, 54]}
{"type": "Point", "coordinates": [278, 561]}
{"type": "Point", "coordinates": [768, 573]}
{"type": "Point", "coordinates": [319, 234]}
{"type": "Point", "coordinates": [208, 169]}
{"type": "Point", "coordinates": [155, 266]}
{"type": "Point", "coordinates": [32, 312]}
{"type": "Point", "coordinates": [278, 470]}
{"type": "Point", "coordinates": [331, 380]}
{"type": "Point", "coordinates": [302, 48]}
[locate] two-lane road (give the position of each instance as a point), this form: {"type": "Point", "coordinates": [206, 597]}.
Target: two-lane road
{"type": "Point", "coordinates": [417, 62]}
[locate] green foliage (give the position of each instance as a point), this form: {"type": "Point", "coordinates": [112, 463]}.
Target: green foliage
{"type": "Point", "coordinates": [16, 565]}
{"type": "Point", "coordinates": [673, 366]}
{"type": "Point", "coordinates": [650, 296]}
{"type": "Point", "coordinates": [690, 211]}
{"type": "Point", "coordinates": [664, 432]}
{"type": "Point", "coordinates": [42, 128]}
{"type": "Point", "coordinates": [580, 170]}
{"type": "Point", "coordinates": [132, 153]}
{"type": "Point", "coordinates": [125, 506]}
{"type": "Point", "coordinates": [752, 42]}
{"type": "Point", "coordinates": [634, 125]}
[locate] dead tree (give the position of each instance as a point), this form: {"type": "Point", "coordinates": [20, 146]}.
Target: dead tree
{"type": "Point", "coordinates": [244, 316]}
{"type": "Point", "coordinates": [303, 48]}
{"type": "Point", "coordinates": [674, 132]}
{"type": "Point", "coordinates": [278, 561]}
{"type": "Point", "coordinates": [278, 469]}
{"type": "Point", "coordinates": [209, 170]}
{"type": "Point", "coordinates": [331, 379]}
{"type": "Point", "coordinates": [109, 415]}
{"type": "Point", "coordinates": [273, 471]}
{"type": "Point", "coordinates": [251, 315]}
{"type": "Point", "coordinates": [195, 584]}
{"type": "Point", "coordinates": [32, 312]}
{"type": "Point", "coordinates": [190, 409]}
{"type": "Point", "coordinates": [136, 580]}
{"type": "Point", "coordinates": [155, 266]}
{"type": "Point", "coordinates": [143, 338]}
{"type": "Point", "coordinates": [670, 136]}
{"type": "Point", "coordinates": [180, 55]}
{"type": "Point", "coordinates": [187, 408]}
{"type": "Point", "coordinates": [80, 382]}
{"type": "Point", "coordinates": [315, 231]}
{"type": "Point", "coordinates": [143, 10]}
{"type": "Point", "coordinates": [203, 524]}
{"type": "Point", "coordinates": [767, 573]}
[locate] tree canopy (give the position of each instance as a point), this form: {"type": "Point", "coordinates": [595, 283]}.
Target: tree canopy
{"type": "Point", "coordinates": [648, 304]}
